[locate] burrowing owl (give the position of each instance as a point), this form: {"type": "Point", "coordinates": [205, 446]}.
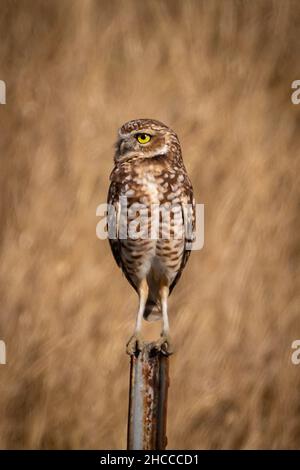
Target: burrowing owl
{"type": "Point", "coordinates": [149, 173]}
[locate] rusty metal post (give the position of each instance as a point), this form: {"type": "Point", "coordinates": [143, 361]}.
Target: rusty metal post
{"type": "Point", "coordinates": [148, 394]}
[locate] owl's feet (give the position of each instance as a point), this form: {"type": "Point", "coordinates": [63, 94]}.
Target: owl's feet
{"type": "Point", "coordinates": [135, 344]}
{"type": "Point", "coordinates": [164, 344]}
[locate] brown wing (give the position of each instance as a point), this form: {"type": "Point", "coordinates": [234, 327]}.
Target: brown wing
{"type": "Point", "coordinates": [113, 228]}
{"type": "Point", "coordinates": [188, 217]}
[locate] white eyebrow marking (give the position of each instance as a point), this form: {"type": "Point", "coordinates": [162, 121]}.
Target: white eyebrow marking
{"type": "Point", "coordinates": [123, 135]}
{"type": "Point", "coordinates": [143, 131]}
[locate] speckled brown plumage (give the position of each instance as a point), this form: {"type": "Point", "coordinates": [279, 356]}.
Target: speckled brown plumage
{"type": "Point", "coordinates": [150, 173]}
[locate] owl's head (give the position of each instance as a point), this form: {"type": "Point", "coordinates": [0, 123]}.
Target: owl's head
{"type": "Point", "coordinates": [145, 138]}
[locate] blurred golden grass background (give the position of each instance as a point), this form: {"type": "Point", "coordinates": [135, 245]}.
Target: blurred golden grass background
{"type": "Point", "coordinates": [220, 74]}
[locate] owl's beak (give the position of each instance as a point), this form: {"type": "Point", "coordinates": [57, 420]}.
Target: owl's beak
{"type": "Point", "coordinates": [125, 145]}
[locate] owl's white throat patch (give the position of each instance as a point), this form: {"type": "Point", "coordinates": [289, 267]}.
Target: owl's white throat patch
{"type": "Point", "coordinates": [159, 151]}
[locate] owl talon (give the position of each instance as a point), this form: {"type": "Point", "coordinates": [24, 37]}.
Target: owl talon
{"type": "Point", "coordinates": [134, 345]}
{"type": "Point", "coordinates": [164, 344]}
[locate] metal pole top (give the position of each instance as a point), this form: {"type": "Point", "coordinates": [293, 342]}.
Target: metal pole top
{"type": "Point", "coordinates": [147, 417]}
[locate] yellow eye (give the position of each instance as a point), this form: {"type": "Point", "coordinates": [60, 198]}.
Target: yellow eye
{"type": "Point", "coordinates": [143, 138]}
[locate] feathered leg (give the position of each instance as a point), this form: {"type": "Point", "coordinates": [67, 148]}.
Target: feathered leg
{"type": "Point", "coordinates": [164, 344]}
{"type": "Point", "coordinates": [135, 343]}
